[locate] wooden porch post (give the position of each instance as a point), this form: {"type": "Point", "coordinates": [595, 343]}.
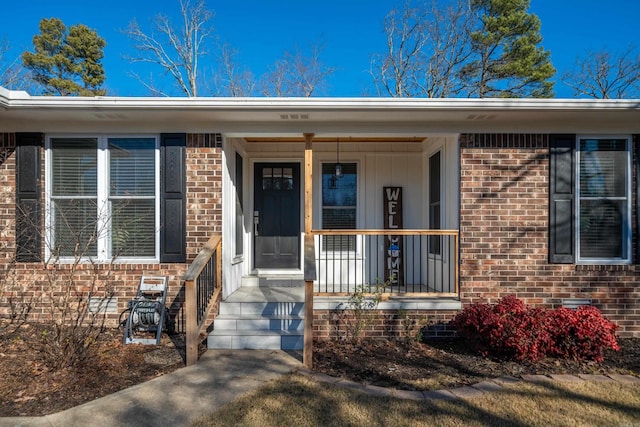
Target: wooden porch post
{"type": "Point", "coordinates": [191, 319]}
{"type": "Point", "coordinates": [309, 252]}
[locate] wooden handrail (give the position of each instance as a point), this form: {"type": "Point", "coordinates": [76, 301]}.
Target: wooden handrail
{"type": "Point", "coordinates": [193, 325]}
{"type": "Point", "coordinates": [202, 258]}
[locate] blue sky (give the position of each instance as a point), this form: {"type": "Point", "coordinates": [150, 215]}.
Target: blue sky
{"type": "Point", "coordinates": [352, 31]}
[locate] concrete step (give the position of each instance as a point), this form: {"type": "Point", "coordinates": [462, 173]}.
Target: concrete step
{"type": "Point", "coordinates": [267, 294]}
{"type": "Point", "coordinates": [267, 309]}
{"type": "Point", "coordinates": [258, 323]}
{"type": "Point", "coordinates": [259, 317]}
{"type": "Point", "coordinates": [271, 301]}
{"type": "Point", "coordinates": [258, 340]}
{"type": "Point", "coordinates": [285, 281]}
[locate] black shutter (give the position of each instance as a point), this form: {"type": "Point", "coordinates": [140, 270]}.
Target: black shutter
{"type": "Point", "coordinates": [28, 210]}
{"type": "Point", "coordinates": [561, 199]}
{"type": "Point", "coordinates": [173, 198]}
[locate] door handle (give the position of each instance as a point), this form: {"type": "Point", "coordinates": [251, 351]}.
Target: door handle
{"type": "Point", "coordinates": [256, 222]}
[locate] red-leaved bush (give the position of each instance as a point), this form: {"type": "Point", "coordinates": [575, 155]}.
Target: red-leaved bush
{"type": "Point", "coordinates": [581, 334]}
{"type": "Point", "coordinates": [512, 329]}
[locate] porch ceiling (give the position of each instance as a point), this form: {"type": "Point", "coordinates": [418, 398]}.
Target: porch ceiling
{"type": "Point", "coordinates": [326, 117]}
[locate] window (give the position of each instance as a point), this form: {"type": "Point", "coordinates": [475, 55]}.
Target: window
{"type": "Point", "coordinates": [435, 242]}
{"type": "Point", "coordinates": [339, 198]}
{"type": "Point", "coordinates": [239, 229]}
{"type": "Point", "coordinates": [103, 197]}
{"type": "Point", "coordinates": [603, 229]}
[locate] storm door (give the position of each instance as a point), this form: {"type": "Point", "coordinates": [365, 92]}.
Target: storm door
{"type": "Point", "coordinates": [276, 216]}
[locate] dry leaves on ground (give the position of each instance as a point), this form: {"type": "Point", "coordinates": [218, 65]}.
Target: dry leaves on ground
{"type": "Point", "coordinates": [29, 388]}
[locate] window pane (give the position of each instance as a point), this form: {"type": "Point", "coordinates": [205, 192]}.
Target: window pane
{"type": "Point", "coordinates": [339, 191]}
{"type": "Point", "coordinates": [127, 176]}
{"type": "Point", "coordinates": [604, 195]}
{"type": "Point", "coordinates": [434, 178]}
{"type": "Point", "coordinates": [132, 166]}
{"type": "Point", "coordinates": [74, 166]}
{"type": "Point", "coordinates": [435, 242]}
{"type": "Point", "coordinates": [339, 218]}
{"type": "Point", "coordinates": [133, 228]}
{"type": "Point", "coordinates": [338, 243]}
{"type": "Point", "coordinates": [239, 231]}
{"type": "Point", "coordinates": [601, 228]}
{"type": "Point", "coordinates": [603, 171]}
{"type": "Point", "coordinates": [287, 179]}
{"type": "Point", "coordinates": [339, 198]}
{"type": "Point", "coordinates": [132, 169]}
{"type": "Point", "coordinates": [75, 227]}
{"type": "Point", "coordinates": [267, 178]}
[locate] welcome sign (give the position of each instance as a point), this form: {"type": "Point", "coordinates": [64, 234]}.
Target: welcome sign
{"type": "Point", "coordinates": [394, 244]}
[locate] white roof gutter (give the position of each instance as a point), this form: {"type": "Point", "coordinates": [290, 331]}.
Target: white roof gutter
{"type": "Point", "coordinates": [20, 99]}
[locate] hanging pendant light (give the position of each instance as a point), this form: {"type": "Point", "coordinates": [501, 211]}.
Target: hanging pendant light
{"type": "Point", "coordinates": [338, 165]}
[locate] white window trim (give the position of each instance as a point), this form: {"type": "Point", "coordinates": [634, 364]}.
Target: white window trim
{"type": "Point", "coordinates": [627, 232]}
{"type": "Point", "coordinates": [104, 241]}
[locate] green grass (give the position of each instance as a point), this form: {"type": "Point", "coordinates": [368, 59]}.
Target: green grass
{"type": "Point", "coordinates": [296, 400]}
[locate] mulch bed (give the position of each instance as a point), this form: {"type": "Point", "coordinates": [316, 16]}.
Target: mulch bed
{"type": "Point", "coordinates": [449, 363]}
{"type": "Point", "coordinates": [30, 388]}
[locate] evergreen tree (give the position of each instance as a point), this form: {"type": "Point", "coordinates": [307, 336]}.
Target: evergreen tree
{"type": "Point", "coordinates": [507, 59]}
{"type": "Point", "coordinates": [67, 62]}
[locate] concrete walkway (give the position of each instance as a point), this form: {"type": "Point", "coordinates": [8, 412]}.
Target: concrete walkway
{"type": "Point", "coordinates": [221, 376]}
{"type": "Point", "coordinates": [177, 398]}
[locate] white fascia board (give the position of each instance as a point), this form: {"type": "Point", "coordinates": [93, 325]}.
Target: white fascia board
{"type": "Point", "coordinates": [20, 99]}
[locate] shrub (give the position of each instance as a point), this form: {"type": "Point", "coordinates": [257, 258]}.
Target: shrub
{"type": "Point", "coordinates": [512, 329]}
{"type": "Point", "coordinates": [506, 329]}
{"type": "Point", "coordinates": [581, 334]}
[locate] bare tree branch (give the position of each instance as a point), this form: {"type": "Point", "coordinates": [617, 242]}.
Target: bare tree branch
{"type": "Point", "coordinates": [606, 75]}
{"type": "Point", "coordinates": [176, 50]}
{"type": "Point", "coordinates": [149, 85]}
{"type": "Point", "coordinates": [297, 74]}
{"type": "Point", "coordinates": [13, 75]}
{"type": "Point", "coordinates": [426, 45]}
{"type": "Point", "coordinates": [231, 80]}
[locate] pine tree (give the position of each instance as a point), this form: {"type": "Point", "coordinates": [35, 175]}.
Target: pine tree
{"type": "Point", "coordinates": [507, 60]}
{"type": "Point", "coordinates": [67, 62]}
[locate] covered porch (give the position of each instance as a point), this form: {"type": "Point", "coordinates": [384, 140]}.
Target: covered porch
{"type": "Point", "coordinates": [311, 220]}
{"type": "Point", "coordinates": [380, 212]}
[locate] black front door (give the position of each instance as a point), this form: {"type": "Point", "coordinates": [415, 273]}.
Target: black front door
{"type": "Point", "coordinates": [276, 215]}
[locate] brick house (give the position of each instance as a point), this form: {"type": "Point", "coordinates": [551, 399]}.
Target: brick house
{"type": "Point", "coordinates": [438, 202]}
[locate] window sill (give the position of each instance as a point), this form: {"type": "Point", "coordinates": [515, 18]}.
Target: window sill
{"type": "Point", "coordinates": [605, 267]}
{"type": "Point", "coordinates": [69, 261]}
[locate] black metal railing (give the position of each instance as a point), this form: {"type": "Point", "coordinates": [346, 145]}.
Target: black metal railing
{"type": "Point", "coordinates": [405, 262]}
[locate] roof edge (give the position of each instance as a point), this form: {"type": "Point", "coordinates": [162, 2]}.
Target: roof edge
{"type": "Point", "coordinates": [21, 99]}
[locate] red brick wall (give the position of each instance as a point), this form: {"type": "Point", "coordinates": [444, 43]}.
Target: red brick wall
{"type": "Point", "coordinates": [204, 189]}
{"type": "Point", "coordinates": [30, 283]}
{"type": "Point", "coordinates": [504, 202]}
{"type": "Point", "coordinates": [383, 324]}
